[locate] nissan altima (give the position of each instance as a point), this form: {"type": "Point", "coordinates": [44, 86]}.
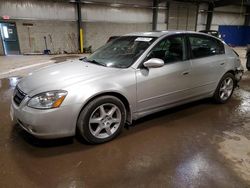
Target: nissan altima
{"type": "Point", "coordinates": [126, 79]}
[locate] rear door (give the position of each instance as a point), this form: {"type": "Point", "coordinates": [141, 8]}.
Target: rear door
{"type": "Point", "coordinates": [208, 62]}
{"type": "Point", "coordinates": [165, 85]}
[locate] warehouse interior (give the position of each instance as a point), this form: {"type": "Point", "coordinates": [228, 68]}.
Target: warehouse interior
{"type": "Point", "coordinates": [33, 20]}
{"type": "Point", "coordinates": [199, 144]}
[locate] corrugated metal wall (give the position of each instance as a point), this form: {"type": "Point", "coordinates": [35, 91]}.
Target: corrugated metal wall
{"type": "Point", "coordinates": [182, 16]}
{"type": "Point", "coordinates": [38, 10]}
{"type": "Point", "coordinates": [227, 15]}
{"type": "Point", "coordinates": [101, 21]}
{"type": "Point", "coordinates": [100, 13]}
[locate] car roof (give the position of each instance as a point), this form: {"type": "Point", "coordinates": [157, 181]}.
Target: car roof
{"type": "Point", "coordinates": [159, 33]}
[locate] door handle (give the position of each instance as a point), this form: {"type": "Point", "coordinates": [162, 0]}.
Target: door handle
{"type": "Point", "coordinates": [185, 73]}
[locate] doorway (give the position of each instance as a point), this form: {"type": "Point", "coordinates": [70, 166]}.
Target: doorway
{"type": "Point", "coordinates": [9, 38]}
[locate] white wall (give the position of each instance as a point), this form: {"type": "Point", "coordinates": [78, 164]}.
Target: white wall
{"type": "Point", "coordinates": [37, 10]}
{"type": "Point", "coordinates": [61, 36]}
{"type": "Point", "coordinates": [102, 21]}
{"type": "Point", "coordinates": [182, 16]}
{"type": "Point", "coordinates": [97, 34]}
{"type": "Point", "coordinates": [41, 10]}
{"type": "Point", "coordinates": [227, 15]}
{"type": "Point", "coordinates": [59, 20]}
{"type": "Point", "coordinates": [100, 13]}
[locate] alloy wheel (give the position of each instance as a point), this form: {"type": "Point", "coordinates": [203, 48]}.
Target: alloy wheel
{"type": "Point", "coordinates": [226, 88]}
{"type": "Point", "coordinates": [105, 120]}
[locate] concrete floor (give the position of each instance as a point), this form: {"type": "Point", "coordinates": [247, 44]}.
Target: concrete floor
{"type": "Point", "coordinates": [17, 65]}
{"type": "Point", "coordinates": [196, 145]}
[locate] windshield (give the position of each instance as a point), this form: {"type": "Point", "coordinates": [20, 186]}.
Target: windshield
{"type": "Point", "coordinates": [122, 52]}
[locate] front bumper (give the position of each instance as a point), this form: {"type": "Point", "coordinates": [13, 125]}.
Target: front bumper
{"type": "Point", "coordinates": [46, 124]}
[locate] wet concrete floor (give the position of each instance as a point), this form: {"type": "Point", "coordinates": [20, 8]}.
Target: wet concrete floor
{"type": "Point", "coordinates": [196, 145]}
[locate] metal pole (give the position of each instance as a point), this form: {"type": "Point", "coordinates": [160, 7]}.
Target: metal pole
{"type": "Point", "coordinates": [247, 16]}
{"type": "Point", "coordinates": [187, 19]}
{"type": "Point", "coordinates": [155, 15]}
{"type": "Point", "coordinates": [197, 14]}
{"type": "Point", "coordinates": [79, 25]}
{"type": "Point", "coordinates": [167, 13]}
{"type": "Point", "coordinates": [209, 16]}
{"type": "Point", "coordinates": [178, 17]}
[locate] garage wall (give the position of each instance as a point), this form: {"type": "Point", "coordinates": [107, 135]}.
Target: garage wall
{"type": "Point", "coordinates": [235, 35]}
{"type": "Point", "coordinates": [59, 21]}
{"type": "Point", "coordinates": [37, 10]}
{"type": "Point", "coordinates": [227, 15]}
{"type": "Point", "coordinates": [97, 34]}
{"type": "Point", "coordinates": [61, 36]}
{"type": "Point", "coordinates": [100, 21]}
{"type": "Point", "coordinates": [182, 16]}
{"type": "Point", "coordinates": [47, 19]}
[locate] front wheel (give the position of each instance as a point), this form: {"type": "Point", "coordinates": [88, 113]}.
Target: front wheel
{"type": "Point", "coordinates": [102, 119]}
{"type": "Point", "coordinates": [225, 88]}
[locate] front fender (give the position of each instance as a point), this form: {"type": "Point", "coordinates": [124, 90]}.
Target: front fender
{"type": "Point", "coordinates": [124, 85]}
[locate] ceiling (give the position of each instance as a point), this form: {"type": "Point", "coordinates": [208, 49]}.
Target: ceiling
{"type": "Point", "coordinates": [216, 3]}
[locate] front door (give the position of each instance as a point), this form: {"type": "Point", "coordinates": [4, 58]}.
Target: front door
{"type": "Point", "coordinates": [10, 38]}
{"type": "Point", "coordinates": [157, 87]}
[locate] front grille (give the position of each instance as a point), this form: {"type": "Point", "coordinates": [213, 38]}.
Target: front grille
{"type": "Point", "coordinates": [18, 96]}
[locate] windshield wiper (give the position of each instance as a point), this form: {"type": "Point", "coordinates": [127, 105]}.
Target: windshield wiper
{"type": "Point", "coordinates": [91, 61]}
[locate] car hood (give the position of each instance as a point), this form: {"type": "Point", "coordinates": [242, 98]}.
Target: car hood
{"type": "Point", "coordinates": [61, 75]}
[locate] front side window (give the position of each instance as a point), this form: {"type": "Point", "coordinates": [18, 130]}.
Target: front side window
{"type": "Point", "coordinates": [202, 46]}
{"type": "Point", "coordinates": [169, 50]}
{"type": "Point", "coordinates": [121, 52]}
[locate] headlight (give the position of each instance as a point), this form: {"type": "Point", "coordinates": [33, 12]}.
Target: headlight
{"type": "Point", "coordinates": [47, 100]}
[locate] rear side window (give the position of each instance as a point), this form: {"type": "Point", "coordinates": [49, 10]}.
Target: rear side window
{"type": "Point", "coordinates": [202, 46]}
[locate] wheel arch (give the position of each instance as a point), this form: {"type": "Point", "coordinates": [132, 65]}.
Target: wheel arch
{"type": "Point", "coordinates": [117, 95]}
{"type": "Point", "coordinates": [230, 71]}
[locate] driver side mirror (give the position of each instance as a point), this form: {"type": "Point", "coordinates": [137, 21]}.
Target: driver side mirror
{"type": "Point", "coordinates": [153, 63]}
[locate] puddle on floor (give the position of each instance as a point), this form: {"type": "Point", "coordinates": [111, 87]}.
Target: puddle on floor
{"type": "Point", "coordinates": [236, 150]}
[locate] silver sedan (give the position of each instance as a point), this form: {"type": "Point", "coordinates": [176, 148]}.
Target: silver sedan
{"type": "Point", "coordinates": [128, 78]}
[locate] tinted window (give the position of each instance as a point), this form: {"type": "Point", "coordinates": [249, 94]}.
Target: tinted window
{"type": "Point", "coordinates": [202, 46]}
{"type": "Point", "coordinates": [169, 50]}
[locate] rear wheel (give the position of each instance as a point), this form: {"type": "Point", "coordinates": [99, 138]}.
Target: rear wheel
{"type": "Point", "coordinates": [102, 119]}
{"type": "Point", "coordinates": [225, 88]}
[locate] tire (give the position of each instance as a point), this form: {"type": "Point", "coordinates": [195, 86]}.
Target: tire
{"type": "Point", "coordinates": [102, 119]}
{"type": "Point", "coordinates": [225, 87]}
